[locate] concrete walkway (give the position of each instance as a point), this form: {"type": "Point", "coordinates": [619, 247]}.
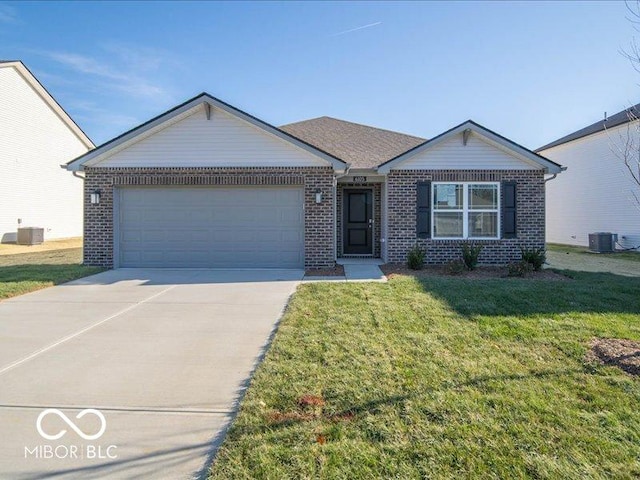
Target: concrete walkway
{"type": "Point", "coordinates": [592, 262]}
{"type": "Point", "coordinates": [163, 355]}
{"type": "Point", "coordinates": [355, 270]}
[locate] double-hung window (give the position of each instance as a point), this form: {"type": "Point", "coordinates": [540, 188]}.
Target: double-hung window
{"type": "Point", "coordinates": [467, 210]}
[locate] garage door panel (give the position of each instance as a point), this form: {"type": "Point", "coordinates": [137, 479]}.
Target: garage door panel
{"type": "Point", "coordinates": [211, 227]}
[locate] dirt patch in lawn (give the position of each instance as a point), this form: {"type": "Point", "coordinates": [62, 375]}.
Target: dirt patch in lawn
{"type": "Point", "coordinates": [624, 354]}
{"type": "Point", "coordinates": [337, 271]}
{"type": "Point", "coordinates": [310, 407]}
{"type": "Point", "coordinates": [394, 269]}
{"type": "Point", "coordinates": [49, 245]}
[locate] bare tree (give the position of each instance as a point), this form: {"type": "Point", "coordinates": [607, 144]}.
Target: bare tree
{"type": "Point", "coordinates": [628, 148]}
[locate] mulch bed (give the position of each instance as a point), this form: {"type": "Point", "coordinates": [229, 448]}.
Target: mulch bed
{"type": "Point", "coordinates": [624, 354]}
{"type": "Point", "coordinates": [395, 269]}
{"type": "Point", "coordinates": [337, 271]}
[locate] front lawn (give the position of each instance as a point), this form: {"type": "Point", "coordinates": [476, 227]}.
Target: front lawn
{"type": "Point", "coordinates": [443, 378]}
{"type": "Point", "coordinates": [26, 272]}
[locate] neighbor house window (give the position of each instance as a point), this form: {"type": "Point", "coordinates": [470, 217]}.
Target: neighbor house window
{"type": "Point", "coordinates": [465, 210]}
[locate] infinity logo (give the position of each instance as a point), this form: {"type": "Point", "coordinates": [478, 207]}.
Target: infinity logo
{"type": "Point", "coordinates": [66, 420]}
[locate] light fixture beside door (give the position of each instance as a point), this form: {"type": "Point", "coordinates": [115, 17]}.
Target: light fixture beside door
{"type": "Point", "coordinates": [95, 197]}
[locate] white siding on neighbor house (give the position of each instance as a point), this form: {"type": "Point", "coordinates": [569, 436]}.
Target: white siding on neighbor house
{"type": "Point", "coordinates": [595, 193]}
{"type": "Point", "coordinates": [452, 154]}
{"type": "Point", "coordinates": [222, 141]}
{"type": "Point", "coordinates": [34, 142]}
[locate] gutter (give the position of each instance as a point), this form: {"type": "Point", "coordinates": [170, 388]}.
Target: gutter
{"type": "Point", "coordinates": [552, 177]}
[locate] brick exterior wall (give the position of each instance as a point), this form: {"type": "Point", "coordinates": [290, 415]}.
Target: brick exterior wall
{"type": "Point", "coordinates": [377, 217]}
{"type": "Point", "coordinates": [530, 216]}
{"type": "Point", "coordinates": [98, 219]}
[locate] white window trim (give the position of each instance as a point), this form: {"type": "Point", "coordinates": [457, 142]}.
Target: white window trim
{"type": "Point", "coordinates": [465, 210]}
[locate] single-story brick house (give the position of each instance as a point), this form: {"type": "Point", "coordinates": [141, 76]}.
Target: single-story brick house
{"type": "Point", "coordinates": [208, 185]}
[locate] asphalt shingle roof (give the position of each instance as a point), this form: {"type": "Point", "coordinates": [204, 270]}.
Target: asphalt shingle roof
{"type": "Point", "coordinates": [612, 121]}
{"type": "Point", "coordinates": [360, 145]}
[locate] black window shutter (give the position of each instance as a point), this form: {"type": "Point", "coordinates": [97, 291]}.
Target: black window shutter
{"type": "Point", "coordinates": [509, 208]}
{"type": "Point", "coordinates": [423, 210]}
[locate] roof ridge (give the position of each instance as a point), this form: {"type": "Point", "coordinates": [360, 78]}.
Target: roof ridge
{"type": "Point", "coordinates": [615, 120]}
{"type": "Point", "coordinates": [354, 123]}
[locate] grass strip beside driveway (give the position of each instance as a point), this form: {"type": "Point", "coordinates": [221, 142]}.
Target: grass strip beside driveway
{"type": "Point", "coordinates": [631, 255]}
{"type": "Point", "coordinates": [24, 273]}
{"type": "Point", "coordinates": [443, 378]}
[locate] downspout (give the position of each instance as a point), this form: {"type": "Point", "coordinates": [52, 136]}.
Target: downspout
{"type": "Point", "coordinates": [346, 172]}
{"type": "Point", "coordinates": [335, 204]}
{"type": "Point", "coordinates": [384, 221]}
{"type": "Point", "coordinates": [77, 175]}
{"type": "Point", "coordinates": [74, 172]}
{"type": "Point", "coordinates": [562, 169]}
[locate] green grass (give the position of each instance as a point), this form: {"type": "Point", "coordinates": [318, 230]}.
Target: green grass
{"type": "Point", "coordinates": [443, 378]}
{"type": "Point", "coordinates": [554, 247]}
{"type": "Point", "coordinates": [23, 273]}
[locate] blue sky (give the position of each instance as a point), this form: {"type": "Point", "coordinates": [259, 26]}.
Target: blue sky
{"type": "Point", "coordinates": [532, 71]}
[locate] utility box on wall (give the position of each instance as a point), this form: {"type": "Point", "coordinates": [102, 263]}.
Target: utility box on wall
{"type": "Point", "coordinates": [30, 236]}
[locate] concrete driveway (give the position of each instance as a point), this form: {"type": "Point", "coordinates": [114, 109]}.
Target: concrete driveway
{"type": "Point", "coordinates": [162, 355]}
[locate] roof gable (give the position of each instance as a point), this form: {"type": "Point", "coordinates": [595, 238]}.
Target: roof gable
{"type": "Point", "coordinates": [202, 137]}
{"type": "Point", "coordinates": [360, 145]}
{"type": "Point", "coordinates": [464, 131]}
{"type": "Point", "coordinates": [208, 105]}
{"type": "Point", "coordinates": [42, 92]}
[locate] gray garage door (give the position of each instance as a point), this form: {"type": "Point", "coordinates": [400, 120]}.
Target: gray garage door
{"type": "Point", "coordinates": [211, 227]}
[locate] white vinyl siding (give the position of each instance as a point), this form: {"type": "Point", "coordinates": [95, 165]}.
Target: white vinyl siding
{"type": "Point", "coordinates": [454, 211]}
{"type": "Point", "coordinates": [477, 154]}
{"type": "Point", "coordinates": [595, 193]}
{"type": "Point", "coordinates": [35, 141]}
{"type": "Point", "coordinates": [222, 141]}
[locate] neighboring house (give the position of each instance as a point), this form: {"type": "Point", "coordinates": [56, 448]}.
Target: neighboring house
{"type": "Point", "coordinates": [597, 192]}
{"type": "Point", "coordinates": [207, 185]}
{"type": "Point", "coordinates": [36, 136]}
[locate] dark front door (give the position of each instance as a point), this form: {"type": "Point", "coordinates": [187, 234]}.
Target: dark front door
{"type": "Point", "coordinates": [358, 222]}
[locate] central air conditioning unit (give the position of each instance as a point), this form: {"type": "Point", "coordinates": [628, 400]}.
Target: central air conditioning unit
{"type": "Point", "coordinates": [602, 242]}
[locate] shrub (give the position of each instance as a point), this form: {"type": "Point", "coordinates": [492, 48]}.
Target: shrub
{"type": "Point", "coordinates": [415, 258]}
{"type": "Point", "coordinates": [534, 256]}
{"type": "Point", "coordinates": [456, 267]}
{"type": "Point", "coordinates": [470, 254]}
{"type": "Point", "coordinates": [519, 269]}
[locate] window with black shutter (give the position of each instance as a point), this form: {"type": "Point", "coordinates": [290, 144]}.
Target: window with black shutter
{"type": "Point", "coordinates": [509, 206]}
{"type": "Point", "coordinates": [423, 211]}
